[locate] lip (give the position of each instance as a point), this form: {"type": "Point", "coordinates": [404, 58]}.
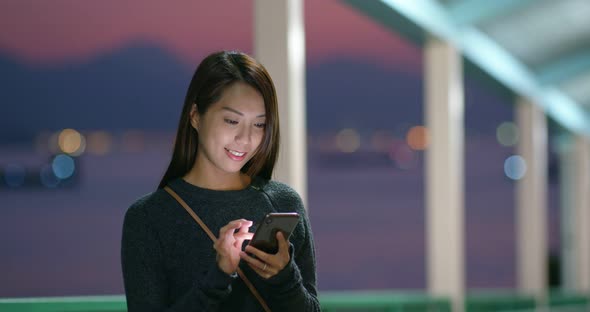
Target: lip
{"type": "Point", "coordinates": [234, 157]}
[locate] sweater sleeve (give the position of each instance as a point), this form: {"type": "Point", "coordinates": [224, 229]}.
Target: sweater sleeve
{"type": "Point", "coordinates": [145, 278]}
{"type": "Point", "coordinates": [294, 288]}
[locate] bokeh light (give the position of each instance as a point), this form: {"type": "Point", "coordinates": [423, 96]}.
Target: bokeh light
{"type": "Point", "coordinates": [14, 175]}
{"type": "Point", "coordinates": [515, 167]}
{"type": "Point", "coordinates": [348, 140]}
{"type": "Point", "coordinates": [99, 143]}
{"type": "Point", "coordinates": [71, 142]}
{"type": "Point", "coordinates": [63, 166]}
{"type": "Point", "coordinates": [417, 138]}
{"type": "Point", "coordinates": [507, 134]}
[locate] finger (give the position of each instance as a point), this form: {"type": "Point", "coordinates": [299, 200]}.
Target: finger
{"type": "Point", "coordinates": [246, 226]}
{"type": "Point", "coordinates": [236, 223]}
{"type": "Point", "coordinates": [283, 244]}
{"type": "Point", "coordinates": [253, 262]}
{"type": "Point", "coordinates": [232, 226]}
{"type": "Point", "coordinates": [265, 271]}
{"type": "Point", "coordinates": [263, 274]}
{"type": "Point", "coordinates": [239, 239]}
{"type": "Point", "coordinates": [244, 236]}
{"type": "Point", "coordinates": [258, 253]}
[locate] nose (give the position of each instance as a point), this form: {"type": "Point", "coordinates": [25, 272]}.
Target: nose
{"type": "Point", "coordinates": [244, 135]}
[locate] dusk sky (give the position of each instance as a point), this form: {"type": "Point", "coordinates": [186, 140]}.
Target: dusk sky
{"type": "Point", "coordinates": [358, 75]}
{"type": "Point", "coordinates": [62, 31]}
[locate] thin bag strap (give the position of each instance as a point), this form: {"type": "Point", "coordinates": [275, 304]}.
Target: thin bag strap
{"type": "Point", "coordinates": [214, 239]}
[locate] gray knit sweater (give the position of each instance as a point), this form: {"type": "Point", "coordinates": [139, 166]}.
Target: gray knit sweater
{"type": "Point", "coordinates": [169, 262]}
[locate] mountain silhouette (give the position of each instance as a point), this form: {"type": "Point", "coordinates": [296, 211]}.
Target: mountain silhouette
{"type": "Point", "coordinates": [142, 86]}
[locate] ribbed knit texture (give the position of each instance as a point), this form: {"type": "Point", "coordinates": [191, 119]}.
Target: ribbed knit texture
{"type": "Point", "coordinates": [169, 262]}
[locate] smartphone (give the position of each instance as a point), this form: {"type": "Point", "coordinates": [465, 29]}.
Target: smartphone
{"type": "Point", "coordinates": [265, 237]}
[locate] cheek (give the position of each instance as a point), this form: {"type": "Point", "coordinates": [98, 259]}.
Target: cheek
{"type": "Point", "coordinates": [259, 138]}
{"type": "Point", "coordinates": [222, 136]}
{"type": "Point", "coordinates": [256, 143]}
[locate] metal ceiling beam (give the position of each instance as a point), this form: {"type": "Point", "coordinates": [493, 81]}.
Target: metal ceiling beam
{"type": "Point", "coordinates": [430, 17]}
{"type": "Point", "coordinates": [390, 19]}
{"type": "Point", "coordinates": [564, 68]}
{"type": "Point", "coordinates": [473, 12]}
{"type": "Point", "coordinates": [577, 88]}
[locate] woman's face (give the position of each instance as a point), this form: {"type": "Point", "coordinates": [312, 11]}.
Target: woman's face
{"type": "Point", "coordinates": [231, 130]}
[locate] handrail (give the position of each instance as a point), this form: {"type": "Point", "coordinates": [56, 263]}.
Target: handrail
{"type": "Point", "coordinates": [367, 300]}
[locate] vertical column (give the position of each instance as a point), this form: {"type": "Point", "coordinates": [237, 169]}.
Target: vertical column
{"type": "Point", "coordinates": [581, 203]}
{"type": "Point", "coordinates": [567, 212]}
{"type": "Point", "coordinates": [279, 44]}
{"type": "Point", "coordinates": [444, 114]}
{"type": "Point", "coordinates": [531, 201]}
{"type": "Point", "coordinates": [575, 192]}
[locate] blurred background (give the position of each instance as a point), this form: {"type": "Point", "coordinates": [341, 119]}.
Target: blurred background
{"type": "Point", "coordinates": [90, 98]}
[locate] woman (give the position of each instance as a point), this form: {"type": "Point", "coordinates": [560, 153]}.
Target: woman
{"type": "Point", "coordinates": [224, 154]}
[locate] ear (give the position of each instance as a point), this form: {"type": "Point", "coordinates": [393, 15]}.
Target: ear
{"type": "Point", "coordinates": [194, 116]}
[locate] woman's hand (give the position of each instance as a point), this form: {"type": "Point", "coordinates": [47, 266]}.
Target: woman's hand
{"type": "Point", "coordinates": [229, 244]}
{"type": "Point", "coordinates": [268, 265]}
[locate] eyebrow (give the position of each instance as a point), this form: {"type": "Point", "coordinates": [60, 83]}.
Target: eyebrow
{"type": "Point", "coordinates": [238, 112]}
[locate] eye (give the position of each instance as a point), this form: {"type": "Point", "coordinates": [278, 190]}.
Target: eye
{"type": "Point", "coordinates": [260, 125]}
{"type": "Point", "coordinates": [231, 122]}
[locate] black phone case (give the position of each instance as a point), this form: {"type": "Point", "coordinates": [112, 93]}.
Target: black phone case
{"type": "Point", "coordinates": [265, 236]}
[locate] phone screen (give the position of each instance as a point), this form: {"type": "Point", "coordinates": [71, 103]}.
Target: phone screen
{"type": "Point", "coordinates": [265, 237]}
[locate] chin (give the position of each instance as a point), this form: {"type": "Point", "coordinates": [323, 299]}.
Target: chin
{"type": "Point", "coordinates": [233, 169]}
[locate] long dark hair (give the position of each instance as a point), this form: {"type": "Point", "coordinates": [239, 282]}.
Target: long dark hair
{"type": "Point", "coordinates": [214, 75]}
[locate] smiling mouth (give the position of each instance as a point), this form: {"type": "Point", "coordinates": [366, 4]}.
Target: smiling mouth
{"type": "Point", "coordinates": [235, 153]}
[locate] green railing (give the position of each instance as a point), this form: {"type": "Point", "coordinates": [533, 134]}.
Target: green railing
{"type": "Point", "coordinates": [65, 304]}
{"type": "Point", "coordinates": [508, 301]}
{"type": "Point", "coordinates": [338, 301]}
{"type": "Point", "coordinates": [496, 301]}
{"type": "Point", "coordinates": [330, 302]}
{"type": "Point", "coordinates": [558, 299]}
{"type": "Point", "coordinates": [390, 301]}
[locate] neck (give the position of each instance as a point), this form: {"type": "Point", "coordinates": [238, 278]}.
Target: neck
{"type": "Point", "coordinates": [217, 181]}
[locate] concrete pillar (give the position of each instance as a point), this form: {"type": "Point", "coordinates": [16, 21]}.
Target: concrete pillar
{"type": "Point", "coordinates": [581, 204]}
{"type": "Point", "coordinates": [444, 175]}
{"type": "Point", "coordinates": [575, 213]}
{"type": "Point", "coordinates": [279, 44]}
{"type": "Point", "coordinates": [531, 201]}
{"type": "Point", "coordinates": [567, 212]}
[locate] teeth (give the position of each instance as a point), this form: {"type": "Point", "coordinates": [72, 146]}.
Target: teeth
{"type": "Point", "coordinates": [236, 153]}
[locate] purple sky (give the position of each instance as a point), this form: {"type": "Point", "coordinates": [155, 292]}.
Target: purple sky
{"type": "Point", "coordinates": [60, 31]}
